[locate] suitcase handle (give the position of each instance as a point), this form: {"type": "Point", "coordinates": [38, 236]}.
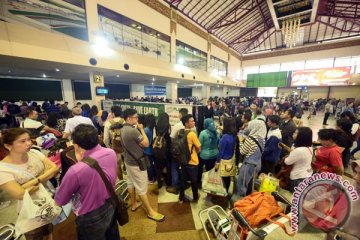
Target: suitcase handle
{"type": "Point", "coordinates": [245, 224]}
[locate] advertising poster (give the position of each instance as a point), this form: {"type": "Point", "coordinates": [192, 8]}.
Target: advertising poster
{"type": "Point", "coordinates": [154, 91]}
{"type": "Point", "coordinates": [338, 76]}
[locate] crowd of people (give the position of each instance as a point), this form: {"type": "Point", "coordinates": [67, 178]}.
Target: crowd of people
{"type": "Point", "coordinates": [252, 134]}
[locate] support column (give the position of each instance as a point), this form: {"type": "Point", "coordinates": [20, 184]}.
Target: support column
{"type": "Point", "coordinates": [173, 23]}
{"type": "Point", "coordinates": [205, 92]}
{"type": "Point", "coordinates": [92, 20]}
{"type": "Point", "coordinates": [96, 80]}
{"type": "Point", "coordinates": [68, 92]}
{"type": "Point", "coordinates": [225, 90]}
{"type": "Point", "coordinates": [171, 91]}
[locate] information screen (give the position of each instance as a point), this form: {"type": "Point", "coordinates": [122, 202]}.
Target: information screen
{"type": "Point", "coordinates": [267, 91]}
{"type": "Point", "coordinates": [101, 91]}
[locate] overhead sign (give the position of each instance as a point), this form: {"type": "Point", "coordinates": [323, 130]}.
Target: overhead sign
{"type": "Point", "coordinates": [154, 91]}
{"type": "Point", "coordinates": [338, 76]}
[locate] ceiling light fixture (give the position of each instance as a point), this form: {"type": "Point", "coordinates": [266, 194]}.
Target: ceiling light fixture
{"type": "Point", "coordinates": [177, 82]}
{"type": "Point", "coordinates": [152, 83]}
{"type": "Point", "coordinates": [153, 79]}
{"type": "Point", "coordinates": [44, 75]}
{"type": "Point", "coordinates": [57, 70]}
{"type": "Point", "coordinates": [9, 71]}
{"type": "Point", "coordinates": [118, 76]}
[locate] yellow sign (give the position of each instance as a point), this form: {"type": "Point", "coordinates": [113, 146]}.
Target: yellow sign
{"type": "Point", "coordinates": [97, 78]}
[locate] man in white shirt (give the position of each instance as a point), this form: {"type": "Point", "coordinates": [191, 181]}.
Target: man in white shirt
{"type": "Point", "coordinates": [71, 123]}
{"type": "Point", "coordinates": [116, 118]}
{"type": "Point", "coordinates": [31, 121]}
{"type": "Point", "coordinates": [178, 126]}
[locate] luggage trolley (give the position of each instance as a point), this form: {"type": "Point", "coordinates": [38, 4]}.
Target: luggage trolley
{"type": "Point", "coordinates": [7, 232]}
{"type": "Point", "coordinates": [233, 226]}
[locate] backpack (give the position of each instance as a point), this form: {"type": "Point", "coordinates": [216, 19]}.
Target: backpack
{"type": "Point", "coordinates": [159, 150]}
{"type": "Point", "coordinates": [115, 128]}
{"type": "Point", "coordinates": [180, 148]}
{"type": "Point", "coordinates": [260, 207]}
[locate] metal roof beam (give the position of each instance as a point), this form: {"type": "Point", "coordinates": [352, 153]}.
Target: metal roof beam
{"type": "Point", "coordinates": [243, 35]}
{"type": "Point", "coordinates": [236, 20]}
{"type": "Point", "coordinates": [214, 11]}
{"type": "Point", "coordinates": [227, 14]}
{"type": "Point", "coordinates": [327, 24]}
{"type": "Point", "coordinates": [266, 38]}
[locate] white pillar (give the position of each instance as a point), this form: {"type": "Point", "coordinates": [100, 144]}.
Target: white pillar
{"type": "Point", "coordinates": [96, 100]}
{"type": "Point", "coordinates": [137, 90]}
{"type": "Point", "coordinates": [225, 89]}
{"type": "Point", "coordinates": [171, 91]}
{"type": "Point", "coordinates": [92, 20]}
{"type": "Point", "coordinates": [68, 92]}
{"type": "Point", "coordinates": [205, 92]}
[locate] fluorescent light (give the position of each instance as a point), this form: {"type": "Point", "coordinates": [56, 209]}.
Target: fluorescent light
{"type": "Point", "coordinates": [56, 69]}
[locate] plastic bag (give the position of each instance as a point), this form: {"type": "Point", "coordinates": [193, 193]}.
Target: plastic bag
{"type": "Point", "coordinates": [269, 183]}
{"type": "Point", "coordinates": [212, 183]}
{"type": "Point", "coordinates": [36, 210]}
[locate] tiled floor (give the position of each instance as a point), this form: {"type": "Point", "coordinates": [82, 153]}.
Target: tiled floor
{"type": "Point", "coordinates": [140, 227]}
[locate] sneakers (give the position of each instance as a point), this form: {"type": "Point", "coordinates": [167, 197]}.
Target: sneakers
{"type": "Point", "coordinates": [173, 190]}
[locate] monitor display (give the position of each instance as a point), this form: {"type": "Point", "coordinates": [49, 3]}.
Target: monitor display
{"type": "Point", "coordinates": [102, 91]}
{"type": "Point", "coordinates": [267, 91]}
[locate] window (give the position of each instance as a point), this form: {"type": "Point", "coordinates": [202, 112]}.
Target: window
{"type": "Point", "coordinates": [132, 36]}
{"type": "Point", "coordinates": [292, 66]}
{"type": "Point", "coordinates": [82, 90]}
{"type": "Point", "coordinates": [249, 70]}
{"type": "Point", "coordinates": [321, 63]}
{"type": "Point", "coordinates": [269, 68]}
{"type": "Point", "coordinates": [355, 64]}
{"type": "Point", "coordinates": [190, 57]}
{"type": "Point", "coordinates": [218, 66]}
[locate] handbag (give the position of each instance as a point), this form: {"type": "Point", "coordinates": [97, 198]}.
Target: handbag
{"type": "Point", "coordinates": [37, 209]}
{"type": "Point", "coordinates": [143, 161]}
{"type": "Point", "coordinates": [227, 167]}
{"type": "Point", "coordinates": [121, 213]}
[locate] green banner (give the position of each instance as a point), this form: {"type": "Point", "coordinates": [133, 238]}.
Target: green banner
{"type": "Point", "coordinates": [140, 107]}
{"type": "Point", "coordinates": [275, 79]}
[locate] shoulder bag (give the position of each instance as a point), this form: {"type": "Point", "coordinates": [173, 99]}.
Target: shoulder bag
{"type": "Point", "coordinates": [121, 213]}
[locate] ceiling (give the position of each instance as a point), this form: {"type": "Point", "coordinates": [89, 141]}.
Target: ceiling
{"type": "Point", "coordinates": [250, 26]}
{"type": "Point", "coordinates": [35, 69]}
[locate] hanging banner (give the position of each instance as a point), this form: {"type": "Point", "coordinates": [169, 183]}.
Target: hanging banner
{"type": "Point", "coordinates": [154, 91]}
{"type": "Point", "coordinates": [140, 107]}
{"type": "Point", "coordinates": [338, 76]}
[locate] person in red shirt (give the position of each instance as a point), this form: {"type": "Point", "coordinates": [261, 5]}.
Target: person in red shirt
{"type": "Point", "coordinates": [328, 157]}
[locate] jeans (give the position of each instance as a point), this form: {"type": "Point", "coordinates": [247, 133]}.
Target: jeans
{"type": "Point", "coordinates": [99, 224]}
{"type": "Point", "coordinates": [208, 163]}
{"type": "Point", "coordinates": [357, 147]}
{"type": "Point", "coordinates": [191, 172]}
{"type": "Point", "coordinates": [175, 173]}
{"type": "Point", "coordinates": [151, 169]}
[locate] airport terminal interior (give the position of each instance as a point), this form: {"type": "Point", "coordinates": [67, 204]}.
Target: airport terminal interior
{"type": "Point", "coordinates": [179, 119]}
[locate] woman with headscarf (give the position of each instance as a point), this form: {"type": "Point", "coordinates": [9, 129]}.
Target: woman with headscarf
{"type": "Point", "coordinates": [163, 128]}
{"type": "Point", "coordinates": [209, 140]}
{"type": "Point", "coordinates": [251, 148]}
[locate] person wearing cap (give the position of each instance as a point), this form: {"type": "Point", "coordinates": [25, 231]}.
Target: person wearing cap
{"type": "Point", "coordinates": [73, 122]}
